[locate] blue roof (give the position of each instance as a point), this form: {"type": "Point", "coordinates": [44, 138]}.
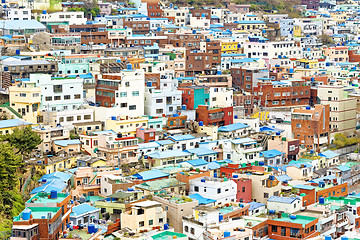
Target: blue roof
{"type": "Point", "coordinates": [197, 162]}
{"type": "Point", "coordinates": [245, 141]}
{"type": "Point", "coordinates": [270, 129]}
{"type": "Point", "coordinates": [88, 75]}
{"type": "Point", "coordinates": [299, 164]}
{"type": "Point", "coordinates": [255, 205]}
{"type": "Point", "coordinates": [104, 132]}
{"type": "Point", "coordinates": [13, 123]}
{"type": "Point", "coordinates": [148, 145]}
{"type": "Point", "coordinates": [65, 143]}
{"type": "Point", "coordinates": [168, 154]}
{"type": "Point", "coordinates": [321, 179]}
{"type": "Point", "coordinates": [282, 199]}
{"type": "Point", "coordinates": [232, 127]}
{"type": "Point", "coordinates": [244, 60]}
{"type": "Point", "coordinates": [81, 209]}
{"type": "Point", "coordinates": [329, 154]}
{"type": "Point", "coordinates": [270, 153]}
{"type": "Point", "coordinates": [165, 142]}
{"type": "Point", "coordinates": [56, 175]}
{"type": "Point", "coordinates": [306, 187]}
{"type": "Point", "coordinates": [213, 165]}
{"type": "Point", "coordinates": [151, 174]}
{"type": "Point", "coordinates": [23, 24]}
{"type": "Point", "coordinates": [185, 137]}
{"type": "Point", "coordinates": [343, 168]}
{"type": "Point", "coordinates": [249, 22]}
{"type": "Point", "coordinates": [201, 151]}
{"type": "Point", "coordinates": [283, 178]}
{"type": "Point", "coordinates": [55, 184]}
{"type": "Point", "coordinates": [201, 200]}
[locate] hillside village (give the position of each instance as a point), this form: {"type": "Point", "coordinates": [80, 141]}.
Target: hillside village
{"type": "Point", "coordinates": [152, 120]}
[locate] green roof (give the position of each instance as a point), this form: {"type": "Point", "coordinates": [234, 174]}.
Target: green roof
{"type": "Point", "coordinates": [157, 185]}
{"type": "Point", "coordinates": [43, 198]}
{"type": "Point", "coordinates": [351, 164]}
{"type": "Point", "coordinates": [300, 219]}
{"type": "Point", "coordinates": [165, 235]}
{"type": "Point", "coordinates": [120, 195]}
{"type": "Point", "coordinates": [39, 213]}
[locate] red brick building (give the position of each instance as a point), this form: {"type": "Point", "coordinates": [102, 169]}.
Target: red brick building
{"type": "Point", "coordinates": [214, 116]}
{"type": "Point", "coordinates": [311, 125]}
{"type": "Point", "coordinates": [287, 227]}
{"type": "Point", "coordinates": [245, 78]}
{"type": "Point", "coordinates": [95, 33]}
{"type": "Point", "coordinates": [138, 27]}
{"type": "Point", "coordinates": [153, 8]}
{"type": "Point", "coordinates": [282, 93]}
{"type": "Point", "coordinates": [246, 100]}
{"type": "Point", "coordinates": [205, 61]}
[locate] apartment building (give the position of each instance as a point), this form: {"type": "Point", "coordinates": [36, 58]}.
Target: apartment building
{"type": "Point", "coordinates": [67, 17]}
{"type": "Point", "coordinates": [25, 99]}
{"type": "Point", "coordinates": [124, 91]}
{"type": "Point", "coordinates": [342, 109]}
{"type": "Point", "coordinates": [282, 93]}
{"type": "Point", "coordinates": [23, 69]}
{"type": "Point", "coordinates": [271, 50]}
{"type": "Point", "coordinates": [311, 125]}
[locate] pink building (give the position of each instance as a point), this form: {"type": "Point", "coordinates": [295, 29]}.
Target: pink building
{"type": "Point", "coordinates": [243, 189]}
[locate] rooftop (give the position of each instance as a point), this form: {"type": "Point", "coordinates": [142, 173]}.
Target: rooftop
{"type": "Point", "coordinates": [303, 220]}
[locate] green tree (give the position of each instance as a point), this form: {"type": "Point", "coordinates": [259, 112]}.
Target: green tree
{"type": "Point", "coordinates": [11, 201]}
{"type": "Point", "coordinates": [326, 39]}
{"type": "Point", "coordinates": [23, 139]}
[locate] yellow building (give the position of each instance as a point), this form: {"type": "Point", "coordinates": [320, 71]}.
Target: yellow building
{"type": "Point", "coordinates": [7, 126]}
{"type": "Point", "coordinates": [229, 47]}
{"type": "Point", "coordinates": [53, 164]}
{"type": "Point", "coordinates": [143, 216]}
{"type": "Point", "coordinates": [297, 31]}
{"type": "Point", "coordinates": [126, 125]}
{"type": "Point", "coordinates": [25, 100]}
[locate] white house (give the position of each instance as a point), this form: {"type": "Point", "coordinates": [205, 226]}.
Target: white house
{"type": "Point", "coordinates": [72, 18]}
{"type": "Point", "coordinates": [18, 13]}
{"type": "Point", "coordinates": [221, 190]}
{"type": "Point", "coordinates": [84, 214]}
{"type": "Point", "coordinates": [285, 204]}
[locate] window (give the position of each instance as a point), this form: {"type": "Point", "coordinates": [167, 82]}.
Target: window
{"type": "Point", "coordinates": [70, 119]}
{"type": "Point", "coordinates": [48, 99]}
{"type": "Point", "coordinates": [141, 224]}
{"type": "Point", "coordinates": [57, 88]}
{"type": "Point", "coordinates": [123, 94]}
{"type": "Point", "coordinates": [66, 97]}
{"type": "Point", "coordinates": [56, 98]}
{"type": "Point", "coordinates": [219, 190]}
{"type": "Point", "coordinates": [22, 94]}
{"type": "Point", "coordinates": [77, 96]}
{"type": "Point", "coordinates": [87, 117]}
{"type": "Point", "coordinates": [159, 100]}
{"type": "Point", "coordinates": [186, 229]}
{"type": "Point", "coordinates": [192, 231]}
{"type": "Point", "coordinates": [196, 189]}
{"type": "Point", "coordinates": [135, 93]}
{"type": "Point", "coordinates": [159, 111]}
{"type": "Point", "coordinates": [298, 125]}
{"type": "Point", "coordinates": [123, 105]}
{"type": "Point", "coordinates": [151, 222]}
{"type": "Point", "coordinates": [132, 107]}
{"type": "Point", "coordinates": [274, 228]}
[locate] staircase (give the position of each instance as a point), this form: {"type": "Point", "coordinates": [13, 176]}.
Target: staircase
{"type": "Point", "coordinates": [6, 105]}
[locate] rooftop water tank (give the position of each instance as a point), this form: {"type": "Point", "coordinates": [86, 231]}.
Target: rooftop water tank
{"type": "Point", "coordinates": [26, 214]}
{"type": "Point", "coordinates": [53, 194]}
{"type": "Point", "coordinates": [321, 200]}
{"type": "Point", "coordinates": [226, 234]}
{"type": "Point", "coordinates": [129, 67]}
{"type": "Point", "coordinates": [166, 226]}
